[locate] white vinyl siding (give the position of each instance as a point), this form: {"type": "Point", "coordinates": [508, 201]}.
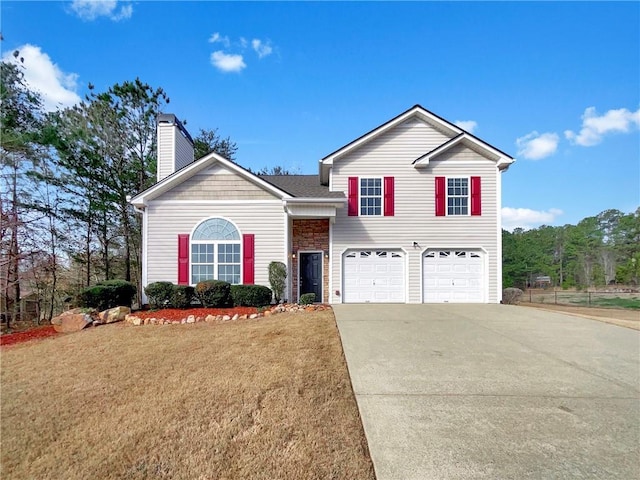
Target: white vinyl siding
{"type": "Point", "coordinates": [175, 151]}
{"type": "Point", "coordinates": [167, 220]}
{"type": "Point", "coordinates": [167, 217]}
{"type": "Point", "coordinates": [393, 153]}
{"type": "Point", "coordinates": [165, 150]}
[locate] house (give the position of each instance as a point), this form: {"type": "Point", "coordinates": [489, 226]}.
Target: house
{"type": "Point", "coordinates": [408, 212]}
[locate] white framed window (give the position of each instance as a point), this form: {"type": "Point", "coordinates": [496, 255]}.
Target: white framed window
{"type": "Point", "coordinates": [215, 252]}
{"type": "Point", "coordinates": [458, 195]}
{"type": "Point", "coordinates": [371, 196]}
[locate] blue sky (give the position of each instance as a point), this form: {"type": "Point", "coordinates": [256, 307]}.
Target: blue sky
{"type": "Point", "coordinates": [556, 85]}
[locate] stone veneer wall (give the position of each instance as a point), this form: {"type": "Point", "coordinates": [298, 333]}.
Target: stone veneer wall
{"type": "Point", "coordinates": [310, 235]}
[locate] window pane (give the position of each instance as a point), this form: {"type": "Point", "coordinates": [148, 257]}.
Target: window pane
{"type": "Point", "coordinates": [201, 272]}
{"type": "Point", "coordinates": [229, 253]}
{"type": "Point", "coordinates": [229, 273]}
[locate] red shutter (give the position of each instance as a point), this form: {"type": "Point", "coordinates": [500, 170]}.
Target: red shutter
{"type": "Point", "coordinates": [389, 196]}
{"type": "Point", "coordinates": [441, 196]}
{"type": "Point", "coordinates": [353, 197]}
{"type": "Point", "coordinates": [248, 263]}
{"type": "Point", "coordinates": [476, 197]}
{"type": "Point", "coordinates": [183, 259]}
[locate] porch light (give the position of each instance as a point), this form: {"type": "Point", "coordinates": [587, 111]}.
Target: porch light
{"type": "Point", "coordinates": [326, 254]}
{"type": "Point", "coordinates": [293, 254]}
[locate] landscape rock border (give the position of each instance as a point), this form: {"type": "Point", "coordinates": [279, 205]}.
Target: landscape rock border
{"type": "Point", "coordinates": [282, 308]}
{"type": "Point", "coordinates": [79, 318]}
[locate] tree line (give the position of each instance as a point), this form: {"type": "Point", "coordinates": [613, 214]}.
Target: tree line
{"type": "Point", "coordinates": [65, 222]}
{"type": "Point", "coordinates": [599, 250]}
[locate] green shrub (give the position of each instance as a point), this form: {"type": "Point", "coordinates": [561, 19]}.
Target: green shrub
{"type": "Point", "coordinates": [90, 297]}
{"type": "Point", "coordinates": [214, 293]}
{"type": "Point", "coordinates": [250, 295]}
{"type": "Point", "coordinates": [107, 294]}
{"type": "Point", "coordinates": [307, 298]}
{"type": "Point", "coordinates": [182, 295]}
{"type": "Point", "coordinates": [159, 294]}
{"type": "Point", "coordinates": [277, 278]}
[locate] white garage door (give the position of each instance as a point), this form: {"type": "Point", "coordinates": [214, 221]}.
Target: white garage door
{"type": "Point", "coordinates": [455, 276]}
{"type": "Point", "coordinates": [373, 276]}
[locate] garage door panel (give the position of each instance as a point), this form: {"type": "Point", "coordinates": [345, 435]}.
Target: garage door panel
{"type": "Point", "coordinates": [397, 267]}
{"type": "Point", "coordinates": [453, 276]}
{"type": "Point", "coordinates": [374, 276]}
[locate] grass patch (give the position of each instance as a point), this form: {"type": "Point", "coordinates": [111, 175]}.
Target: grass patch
{"type": "Point", "coordinates": [260, 399]}
{"type": "Point", "coordinates": [616, 302]}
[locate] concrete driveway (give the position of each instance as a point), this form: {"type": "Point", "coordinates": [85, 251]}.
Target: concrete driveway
{"type": "Point", "coordinates": [493, 391]}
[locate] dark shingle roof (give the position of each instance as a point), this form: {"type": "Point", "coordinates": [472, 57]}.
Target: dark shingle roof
{"type": "Point", "coordinates": [306, 186]}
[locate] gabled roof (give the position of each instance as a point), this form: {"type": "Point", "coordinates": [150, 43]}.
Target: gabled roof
{"type": "Point", "coordinates": [187, 172]}
{"type": "Point", "coordinates": [502, 159]}
{"type": "Point", "coordinates": [306, 186]}
{"type": "Point", "coordinates": [420, 112]}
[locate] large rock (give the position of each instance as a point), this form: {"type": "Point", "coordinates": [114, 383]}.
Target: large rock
{"type": "Point", "coordinates": [511, 296]}
{"type": "Point", "coordinates": [115, 314]}
{"type": "Point", "coordinates": [58, 320]}
{"type": "Point", "coordinates": [71, 322]}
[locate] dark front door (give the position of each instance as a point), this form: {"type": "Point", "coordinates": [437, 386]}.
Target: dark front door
{"type": "Point", "coordinates": [311, 274]}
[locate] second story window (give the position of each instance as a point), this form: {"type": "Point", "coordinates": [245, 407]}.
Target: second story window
{"type": "Point", "coordinates": [371, 196]}
{"type": "Point", "coordinates": [457, 196]}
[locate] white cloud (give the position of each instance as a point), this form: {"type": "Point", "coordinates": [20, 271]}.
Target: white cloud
{"type": "Point", "coordinates": [527, 218]}
{"type": "Point", "coordinates": [58, 89]}
{"type": "Point", "coordinates": [468, 125]}
{"type": "Point", "coordinates": [535, 146]}
{"type": "Point", "coordinates": [262, 49]}
{"type": "Point", "coordinates": [217, 38]}
{"type": "Point", "coordinates": [227, 62]}
{"type": "Point", "coordinates": [595, 127]}
{"type": "Point", "coordinates": [92, 9]}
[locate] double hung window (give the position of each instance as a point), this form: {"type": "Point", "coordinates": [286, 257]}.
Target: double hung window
{"type": "Point", "coordinates": [457, 196]}
{"type": "Point", "coordinates": [371, 196]}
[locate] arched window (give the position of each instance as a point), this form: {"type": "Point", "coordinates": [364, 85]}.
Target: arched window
{"type": "Point", "coordinates": [215, 252]}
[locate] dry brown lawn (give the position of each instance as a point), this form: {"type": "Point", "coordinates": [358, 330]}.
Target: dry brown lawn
{"type": "Point", "coordinates": [255, 399]}
{"type": "Point", "coordinates": [616, 316]}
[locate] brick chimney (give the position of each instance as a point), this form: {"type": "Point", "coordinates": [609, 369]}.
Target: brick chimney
{"type": "Point", "coordinates": [175, 145]}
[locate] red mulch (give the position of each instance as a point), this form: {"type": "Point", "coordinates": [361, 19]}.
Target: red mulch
{"type": "Point", "coordinates": [19, 337]}
{"type": "Point", "coordinates": [179, 314]}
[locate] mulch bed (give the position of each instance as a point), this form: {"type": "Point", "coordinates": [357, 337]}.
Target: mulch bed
{"type": "Point", "coordinates": [178, 314]}
{"type": "Point", "coordinates": [35, 333]}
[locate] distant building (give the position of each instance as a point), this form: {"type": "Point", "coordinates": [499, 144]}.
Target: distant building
{"type": "Point", "coordinates": [542, 281]}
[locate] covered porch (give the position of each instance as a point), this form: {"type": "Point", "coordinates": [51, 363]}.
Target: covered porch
{"type": "Point", "coordinates": [309, 226]}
